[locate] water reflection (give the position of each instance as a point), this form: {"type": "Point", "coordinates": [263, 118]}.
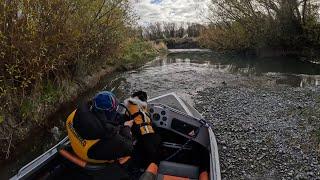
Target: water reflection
{"type": "Point", "coordinates": [298, 80]}
{"type": "Point", "coordinates": [291, 71]}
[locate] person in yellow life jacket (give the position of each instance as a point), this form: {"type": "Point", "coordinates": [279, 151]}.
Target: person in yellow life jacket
{"type": "Point", "coordinates": [97, 133]}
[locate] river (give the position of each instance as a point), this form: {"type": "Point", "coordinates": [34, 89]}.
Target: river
{"type": "Point", "coordinates": [188, 73]}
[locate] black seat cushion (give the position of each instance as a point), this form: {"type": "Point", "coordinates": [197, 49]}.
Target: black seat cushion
{"type": "Point", "coordinates": [177, 169]}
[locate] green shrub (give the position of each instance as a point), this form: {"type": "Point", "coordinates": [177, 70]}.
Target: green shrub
{"type": "Point", "coordinates": [27, 108]}
{"type": "Point", "coordinates": [50, 93]}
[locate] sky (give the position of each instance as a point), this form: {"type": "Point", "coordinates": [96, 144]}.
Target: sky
{"type": "Point", "coordinates": [151, 11]}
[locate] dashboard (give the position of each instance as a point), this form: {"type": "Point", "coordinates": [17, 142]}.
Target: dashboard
{"type": "Point", "coordinates": [171, 119]}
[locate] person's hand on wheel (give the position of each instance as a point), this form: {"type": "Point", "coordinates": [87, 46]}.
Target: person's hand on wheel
{"type": "Point", "coordinates": [128, 123]}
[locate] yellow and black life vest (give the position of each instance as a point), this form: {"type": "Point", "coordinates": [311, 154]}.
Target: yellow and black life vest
{"type": "Point", "coordinates": [81, 146]}
{"type": "Point", "coordinates": [139, 113]}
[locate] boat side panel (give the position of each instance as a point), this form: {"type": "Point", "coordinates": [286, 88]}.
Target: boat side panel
{"type": "Point", "coordinates": [214, 157]}
{"type": "Point", "coordinates": [39, 162]}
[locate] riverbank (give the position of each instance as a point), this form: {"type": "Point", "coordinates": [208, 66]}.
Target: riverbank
{"type": "Point", "coordinates": [182, 43]}
{"type": "Point", "coordinates": [36, 111]}
{"type": "Point", "coordinates": [264, 131]}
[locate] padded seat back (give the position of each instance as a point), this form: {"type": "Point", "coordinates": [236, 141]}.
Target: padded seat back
{"type": "Point", "coordinates": [176, 171]}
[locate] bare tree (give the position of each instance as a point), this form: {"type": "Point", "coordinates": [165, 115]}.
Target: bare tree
{"type": "Point", "coordinates": [171, 30]}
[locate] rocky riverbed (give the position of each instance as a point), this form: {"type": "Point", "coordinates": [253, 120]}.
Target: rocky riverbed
{"type": "Point", "coordinates": [265, 132]}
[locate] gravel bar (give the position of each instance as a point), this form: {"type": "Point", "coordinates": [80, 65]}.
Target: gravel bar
{"type": "Point", "coordinates": [265, 132]}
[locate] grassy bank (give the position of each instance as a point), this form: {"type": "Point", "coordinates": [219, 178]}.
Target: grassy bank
{"type": "Point", "coordinates": [136, 52]}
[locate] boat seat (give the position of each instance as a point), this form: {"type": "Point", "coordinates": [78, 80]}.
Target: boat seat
{"type": "Point", "coordinates": [92, 170]}
{"type": "Point", "coordinates": [67, 152]}
{"type": "Point", "coordinates": [177, 171]}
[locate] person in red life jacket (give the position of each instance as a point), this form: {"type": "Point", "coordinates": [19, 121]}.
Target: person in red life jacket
{"type": "Point", "coordinates": [98, 133]}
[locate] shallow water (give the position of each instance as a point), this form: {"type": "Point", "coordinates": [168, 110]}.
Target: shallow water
{"type": "Point", "coordinates": [190, 71]}
{"type": "Point", "coordinates": [184, 72]}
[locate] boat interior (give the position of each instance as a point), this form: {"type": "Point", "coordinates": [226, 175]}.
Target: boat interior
{"type": "Point", "coordinates": [184, 151]}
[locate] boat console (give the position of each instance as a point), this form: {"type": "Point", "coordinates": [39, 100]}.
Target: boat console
{"type": "Point", "coordinates": [173, 120]}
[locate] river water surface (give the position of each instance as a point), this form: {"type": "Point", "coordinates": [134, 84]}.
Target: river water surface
{"type": "Point", "coordinates": [185, 72]}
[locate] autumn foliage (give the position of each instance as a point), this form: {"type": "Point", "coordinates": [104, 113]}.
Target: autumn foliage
{"type": "Point", "coordinates": [42, 40]}
{"type": "Point", "coordinates": [288, 25]}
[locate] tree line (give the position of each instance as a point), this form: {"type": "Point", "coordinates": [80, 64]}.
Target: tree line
{"type": "Point", "coordinates": [240, 25]}
{"type": "Point", "coordinates": [166, 30]}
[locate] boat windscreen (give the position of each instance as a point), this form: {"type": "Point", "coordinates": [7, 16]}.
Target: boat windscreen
{"type": "Point", "coordinates": [169, 100]}
{"type": "Point", "coordinates": [193, 111]}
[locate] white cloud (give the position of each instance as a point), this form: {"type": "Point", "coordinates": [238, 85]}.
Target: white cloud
{"type": "Point", "coordinates": [171, 10]}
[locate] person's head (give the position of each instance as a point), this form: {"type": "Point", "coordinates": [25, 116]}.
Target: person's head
{"type": "Point", "coordinates": [106, 102]}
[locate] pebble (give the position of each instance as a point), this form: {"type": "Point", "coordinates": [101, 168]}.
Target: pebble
{"type": "Point", "coordinates": [310, 174]}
